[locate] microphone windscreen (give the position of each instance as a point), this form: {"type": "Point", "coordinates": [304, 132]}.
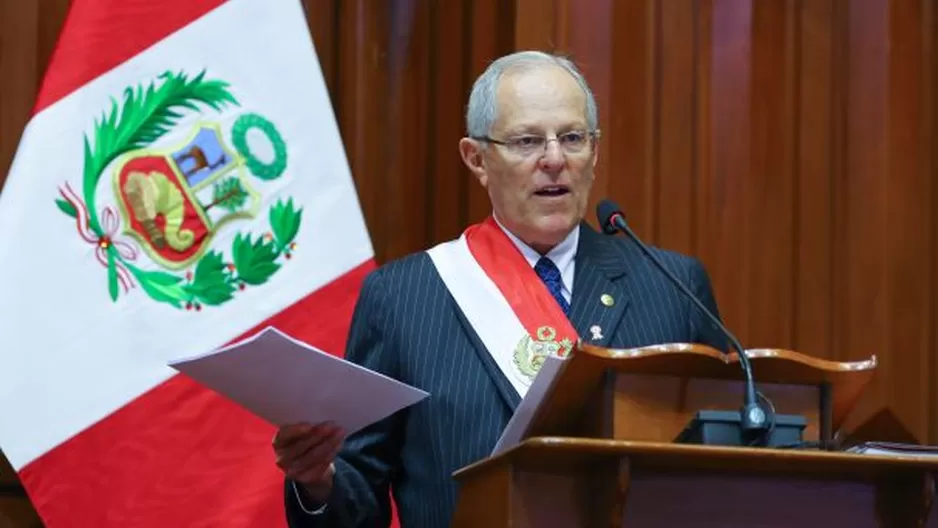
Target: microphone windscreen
{"type": "Point", "coordinates": [605, 210]}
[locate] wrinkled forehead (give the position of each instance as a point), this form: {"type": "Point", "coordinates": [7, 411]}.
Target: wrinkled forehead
{"type": "Point", "coordinates": [542, 99]}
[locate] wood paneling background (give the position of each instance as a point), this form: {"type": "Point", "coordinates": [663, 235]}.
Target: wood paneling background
{"type": "Point", "coordinates": [789, 144]}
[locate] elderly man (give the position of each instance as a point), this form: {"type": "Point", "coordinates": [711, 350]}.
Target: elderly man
{"type": "Point", "coordinates": [449, 320]}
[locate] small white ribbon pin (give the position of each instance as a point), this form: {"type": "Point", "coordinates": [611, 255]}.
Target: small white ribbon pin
{"type": "Point", "coordinates": [597, 332]}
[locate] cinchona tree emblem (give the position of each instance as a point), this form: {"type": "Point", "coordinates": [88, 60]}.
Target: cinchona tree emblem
{"type": "Point", "coordinates": [172, 201]}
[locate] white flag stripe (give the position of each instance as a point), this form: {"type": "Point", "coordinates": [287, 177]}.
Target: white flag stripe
{"type": "Point", "coordinates": [70, 356]}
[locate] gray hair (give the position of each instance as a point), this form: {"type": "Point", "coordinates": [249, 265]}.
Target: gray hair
{"type": "Point", "coordinates": [482, 110]}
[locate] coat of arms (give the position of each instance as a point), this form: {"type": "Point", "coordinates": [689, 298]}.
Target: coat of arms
{"type": "Point", "coordinates": [172, 201]}
{"type": "Point", "coordinates": [531, 352]}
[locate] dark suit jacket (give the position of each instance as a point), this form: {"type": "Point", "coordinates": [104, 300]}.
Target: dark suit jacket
{"type": "Point", "coordinates": [407, 326]}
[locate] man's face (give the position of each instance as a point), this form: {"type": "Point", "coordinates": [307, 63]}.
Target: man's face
{"type": "Point", "coordinates": [539, 190]}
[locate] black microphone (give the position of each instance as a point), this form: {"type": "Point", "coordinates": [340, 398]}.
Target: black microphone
{"type": "Point", "coordinates": [753, 418]}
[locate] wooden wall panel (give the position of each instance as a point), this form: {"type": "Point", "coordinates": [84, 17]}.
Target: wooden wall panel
{"type": "Point", "coordinates": [626, 151]}
{"type": "Point", "coordinates": [818, 40]}
{"type": "Point", "coordinates": [446, 206]}
{"type": "Point", "coordinates": [783, 143]}
{"type": "Point", "coordinates": [800, 147]}
{"type": "Point", "coordinates": [18, 69]}
{"type": "Point", "coordinates": [909, 213]}
{"type": "Point", "coordinates": [859, 207]}
{"type": "Point", "coordinates": [770, 202]}
{"type": "Point", "coordinates": [791, 145]}
{"type": "Point", "coordinates": [401, 72]}
{"type": "Point", "coordinates": [725, 247]}
{"type": "Point", "coordinates": [676, 115]}
{"type": "Point", "coordinates": [930, 22]}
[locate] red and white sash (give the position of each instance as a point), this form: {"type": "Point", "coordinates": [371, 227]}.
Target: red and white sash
{"type": "Point", "coordinates": [504, 300]}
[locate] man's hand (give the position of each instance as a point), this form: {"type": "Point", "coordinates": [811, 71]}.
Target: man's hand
{"type": "Point", "coordinates": [305, 453]}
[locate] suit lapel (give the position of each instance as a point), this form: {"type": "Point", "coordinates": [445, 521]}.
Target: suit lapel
{"type": "Point", "coordinates": [599, 298]}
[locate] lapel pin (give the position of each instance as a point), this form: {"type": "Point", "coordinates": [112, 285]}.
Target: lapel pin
{"type": "Point", "coordinates": [597, 332]}
{"type": "Point", "coordinates": [607, 299]}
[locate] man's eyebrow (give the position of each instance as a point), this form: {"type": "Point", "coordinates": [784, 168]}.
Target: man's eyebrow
{"type": "Point", "coordinates": [539, 130]}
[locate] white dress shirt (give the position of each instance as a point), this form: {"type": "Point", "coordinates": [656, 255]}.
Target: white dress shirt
{"type": "Point", "coordinates": [563, 255]}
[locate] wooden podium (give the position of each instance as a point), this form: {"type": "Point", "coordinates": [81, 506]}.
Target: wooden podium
{"type": "Point", "coordinates": [600, 450]}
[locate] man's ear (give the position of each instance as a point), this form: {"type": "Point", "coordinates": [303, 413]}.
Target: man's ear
{"type": "Point", "coordinates": [471, 152]}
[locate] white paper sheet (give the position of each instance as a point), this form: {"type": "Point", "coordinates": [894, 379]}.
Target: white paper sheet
{"type": "Point", "coordinates": [283, 380]}
{"type": "Point", "coordinates": [895, 449]}
{"type": "Point", "coordinates": [520, 422]}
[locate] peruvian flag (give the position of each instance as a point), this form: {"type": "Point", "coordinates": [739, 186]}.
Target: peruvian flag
{"type": "Point", "coordinates": [181, 183]}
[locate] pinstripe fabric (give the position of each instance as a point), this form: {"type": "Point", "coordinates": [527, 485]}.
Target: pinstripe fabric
{"type": "Point", "coordinates": [407, 326]}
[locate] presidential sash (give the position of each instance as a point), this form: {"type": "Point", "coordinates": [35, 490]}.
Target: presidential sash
{"type": "Point", "coordinates": [504, 300]}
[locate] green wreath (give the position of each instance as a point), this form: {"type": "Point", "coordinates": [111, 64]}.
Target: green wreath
{"type": "Point", "coordinates": [239, 137]}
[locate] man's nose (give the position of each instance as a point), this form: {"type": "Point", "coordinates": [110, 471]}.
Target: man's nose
{"type": "Point", "coordinates": [553, 159]}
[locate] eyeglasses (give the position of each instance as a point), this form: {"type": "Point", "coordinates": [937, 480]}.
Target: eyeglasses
{"type": "Point", "coordinates": [573, 142]}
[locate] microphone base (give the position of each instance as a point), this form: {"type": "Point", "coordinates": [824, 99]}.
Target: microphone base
{"type": "Point", "coordinates": [724, 428]}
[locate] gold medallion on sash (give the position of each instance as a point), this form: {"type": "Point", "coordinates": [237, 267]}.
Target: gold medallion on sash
{"type": "Point", "coordinates": [531, 353]}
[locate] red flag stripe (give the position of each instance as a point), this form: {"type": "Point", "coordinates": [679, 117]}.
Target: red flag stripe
{"type": "Point", "coordinates": [99, 35]}
{"type": "Point", "coordinates": [181, 455]}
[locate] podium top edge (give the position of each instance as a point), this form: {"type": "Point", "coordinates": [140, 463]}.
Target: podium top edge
{"type": "Point", "coordinates": [691, 351]}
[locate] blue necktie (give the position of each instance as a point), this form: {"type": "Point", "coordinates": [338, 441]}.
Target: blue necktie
{"type": "Point", "coordinates": [548, 272]}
